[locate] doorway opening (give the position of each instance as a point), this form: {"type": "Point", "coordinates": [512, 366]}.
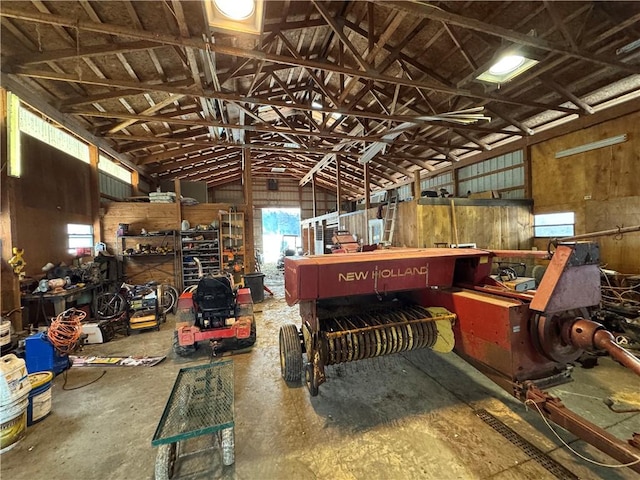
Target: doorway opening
{"type": "Point", "coordinates": [280, 232]}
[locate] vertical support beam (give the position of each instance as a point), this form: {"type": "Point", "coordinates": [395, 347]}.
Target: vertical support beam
{"type": "Point", "coordinates": [249, 256]}
{"type": "Point", "coordinates": [177, 188]}
{"type": "Point", "coordinates": [135, 183]}
{"type": "Point", "coordinates": [528, 179]}
{"type": "Point", "coordinates": [313, 195]}
{"type": "Point", "coordinates": [456, 187]}
{"type": "Point", "coordinates": [94, 189]}
{"type": "Point", "coordinates": [9, 282]}
{"type": "Point", "coordinates": [416, 185]}
{"type": "Point", "coordinates": [367, 187]}
{"type": "Point", "coordinates": [338, 183]}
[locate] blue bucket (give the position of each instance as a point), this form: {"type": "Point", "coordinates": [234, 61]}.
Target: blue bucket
{"type": "Point", "coordinates": [39, 397]}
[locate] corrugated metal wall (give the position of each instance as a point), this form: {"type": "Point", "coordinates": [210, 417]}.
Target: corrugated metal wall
{"type": "Point", "coordinates": [504, 174]}
{"type": "Point", "coordinates": [444, 180]}
{"type": "Point", "coordinates": [114, 187]}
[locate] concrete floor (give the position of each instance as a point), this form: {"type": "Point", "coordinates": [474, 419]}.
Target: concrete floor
{"type": "Point", "coordinates": [400, 417]}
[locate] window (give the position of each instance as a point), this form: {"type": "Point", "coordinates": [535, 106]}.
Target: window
{"type": "Point", "coordinates": [80, 237]}
{"type": "Point", "coordinates": [551, 225]}
{"type": "Point", "coordinates": [108, 166]}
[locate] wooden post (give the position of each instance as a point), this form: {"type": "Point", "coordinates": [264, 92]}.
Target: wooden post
{"type": "Point", "coordinates": [94, 189]}
{"type": "Point", "coordinates": [526, 160]}
{"type": "Point", "coordinates": [135, 183]}
{"type": "Point", "coordinates": [367, 182]}
{"type": "Point", "coordinates": [313, 195]}
{"type": "Point", "coordinates": [456, 185]}
{"type": "Point", "coordinates": [338, 184]}
{"type": "Point", "coordinates": [454, 237]}
{"type": "Point", "coordinates": [249, 256]}
{"type": "Point", "coordinates": [9, 281]}
{"type": "Point", "coordinates": [417, 189]}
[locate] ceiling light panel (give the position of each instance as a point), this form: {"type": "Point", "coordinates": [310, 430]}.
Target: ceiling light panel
{"type": "Point", "coordinates": [237, 16]}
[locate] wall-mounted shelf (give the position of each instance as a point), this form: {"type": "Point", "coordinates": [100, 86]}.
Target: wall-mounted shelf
{"type": "Point", "coordinates": [149, 252]}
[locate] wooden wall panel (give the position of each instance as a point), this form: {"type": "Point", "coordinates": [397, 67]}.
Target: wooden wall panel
{"type": "Point", "coordinates": [598, 217]}
{"type": "Point", "coordinates": [600, 186]}
{"type": "Point", "coordinates": [203, 213]}
{"type": "Point", "coordinates": [152, 217]}
{"type": "Point", "coordinates": [406, 232]}
{"type": "Point", "coordinates": [54, 191]}
{"type": "Point", "coordinates": [498, 224]}
{"type": "Point", "coordinates": [355, 223]}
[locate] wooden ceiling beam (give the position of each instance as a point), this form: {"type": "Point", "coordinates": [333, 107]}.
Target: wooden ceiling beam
{"type": "Point", "coordinates": [209, 163]}
{"type": "Point", "coordinates": [238, 98]}
{"type": "Point", "coordinates": [564, 92]}
{"type": "Point", "coordinates": [72, 53]}
{"type": "Point", "coordinates": [435, 13]}
{"type": "Point", "coordinates": [209, 160]}
{"type": "Point", "coordinates": [58, 21]}
{"type": "Point", "coordinates": [170, 118]}
{"type": "Point", "coordinates": [156, 108]}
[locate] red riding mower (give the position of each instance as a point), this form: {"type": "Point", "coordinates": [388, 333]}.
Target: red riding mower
{"type": "Point", "coordinates": [214, 311]}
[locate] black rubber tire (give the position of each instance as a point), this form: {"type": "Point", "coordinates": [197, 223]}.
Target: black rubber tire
{"type": "Point", "coordinates": [290, 353]}
{"type": "Point", "coordinates": [310, 380]}
{"type": "Point", "coordinates": [165, 461]}
{"type": "Point", "coordinates": [182, 350]}
{"type": "Point", "coordinates": [110, 306]}
{"type": "Point", "coordinates": [250, 340]}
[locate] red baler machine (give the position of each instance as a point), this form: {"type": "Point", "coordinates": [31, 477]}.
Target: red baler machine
{"type": "Point", "coordinates": [362, 305]}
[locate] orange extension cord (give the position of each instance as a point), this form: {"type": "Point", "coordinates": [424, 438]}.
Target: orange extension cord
{"type": "Point", "coordinates": [65, 330]}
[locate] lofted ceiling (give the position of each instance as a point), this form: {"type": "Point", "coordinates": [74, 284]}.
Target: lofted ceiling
{"type": "Point", "coordinates": [172, 98]}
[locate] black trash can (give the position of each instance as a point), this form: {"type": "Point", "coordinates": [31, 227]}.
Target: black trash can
{"type": "Point", "coordinates": [255, 282]}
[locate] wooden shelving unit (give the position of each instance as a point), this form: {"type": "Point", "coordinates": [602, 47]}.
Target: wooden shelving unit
{"type": "Point", "coordinates": [155, 256]}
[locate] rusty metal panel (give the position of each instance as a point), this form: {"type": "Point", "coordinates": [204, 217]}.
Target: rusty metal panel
{"type": "Point", "coordinates": [492, 332]}
{"type": "Point", "coordinates": [565, 285]}
{"type": "Point", "coordinates": [380, 272]}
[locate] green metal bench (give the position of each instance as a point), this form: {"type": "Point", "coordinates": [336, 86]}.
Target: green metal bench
{"type": "Point", "coordinates": [201, 403]}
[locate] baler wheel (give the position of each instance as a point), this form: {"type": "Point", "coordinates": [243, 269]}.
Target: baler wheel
{"type": "Point", "coordinates": [182, 350]}
{"type": "Point", "coordinates": [290, 353]}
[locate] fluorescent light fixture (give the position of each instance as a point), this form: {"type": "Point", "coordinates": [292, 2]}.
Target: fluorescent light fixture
{"type": "Point", "coordinates": [14, 161]}
{"type": "Point", "coordinates": [607, 142]}
{"type": "Point", "coordinates": [278, 169]}
{"type": "Point", "coordinates": [506, 68]}
{"type": "Point", "coordinates": [237, 16]}
{"type": "Point", "coordinates": [629, 47]}
{"type": "Point", "coordinates": [315, 104]}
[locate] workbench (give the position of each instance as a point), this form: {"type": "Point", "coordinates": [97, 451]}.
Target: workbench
{"type": "Point", "coordinates": [60, 300]}
{"type": "Point", "coordinates": [201, 403]}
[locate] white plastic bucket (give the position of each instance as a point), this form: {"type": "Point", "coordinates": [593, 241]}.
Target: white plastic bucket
{"type": "Point", "coordinates": [14, 379]}
{"type": "Point", "coordinates": [13, 423]}
{"type": "Point", "coordinates": [39, 397]}
{"type": "Point", "coordinates": [5, 332]}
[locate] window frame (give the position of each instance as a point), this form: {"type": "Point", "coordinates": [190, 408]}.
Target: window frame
{"type": "Point", "coordinates": [79, 235]}
{"type": "Point", "coordinates": [556, 229]}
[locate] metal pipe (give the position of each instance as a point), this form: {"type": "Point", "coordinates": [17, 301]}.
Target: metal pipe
{"type": "Point", "coordinates": [603, 233]}
{"type": "Point", "coordinates": [604, 340]}
{"type": "Point", "coordinates": [541, 254]}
